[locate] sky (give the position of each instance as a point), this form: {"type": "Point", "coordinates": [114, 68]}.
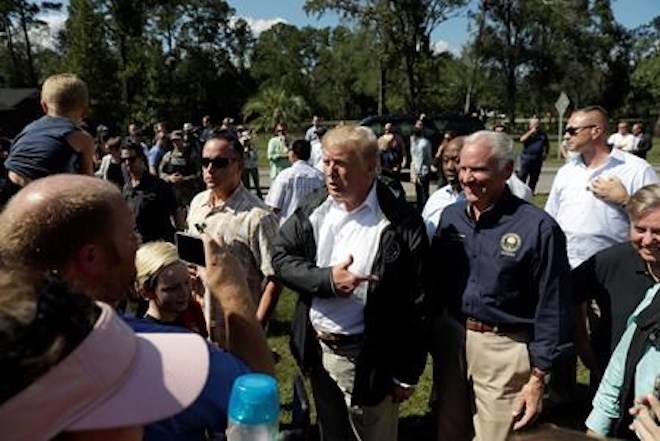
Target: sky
{"type": "Point", "coordinates": [450, 35]}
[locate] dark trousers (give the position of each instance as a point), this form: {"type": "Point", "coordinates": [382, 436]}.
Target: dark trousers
{"type": "Point", "coordinates": [252, 173]}
{"type": "Point", "coordinates": [422, 191]}
{"type": "Point", "coordinates": [530, 168]}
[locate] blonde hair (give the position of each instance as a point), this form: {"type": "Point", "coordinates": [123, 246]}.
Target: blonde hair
{"type": "Point", "coordinates": [643, 200]}
{"type": "Point", "coordinates": [151, 259]}
{"type": "Point", "coordinates": [65, 93]}
{"type": "Point", "coordinates": [359, 139]}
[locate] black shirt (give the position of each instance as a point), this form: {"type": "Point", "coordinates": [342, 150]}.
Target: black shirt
{"type": "Point", "coordinates": [508, 269]}
{"type": "Point", "coordinates": [618, 280]}
{"type": "Point", "coordinates": [153, 203]}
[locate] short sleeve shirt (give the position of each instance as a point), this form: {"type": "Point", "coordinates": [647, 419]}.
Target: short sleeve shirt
{"type": "Point", "coordinates": [246, 225]}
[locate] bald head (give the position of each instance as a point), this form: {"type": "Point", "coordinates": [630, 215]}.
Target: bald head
{"type": "Point", "coordinates": [45, 223]}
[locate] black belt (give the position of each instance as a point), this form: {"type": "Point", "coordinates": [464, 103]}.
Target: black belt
{"type": "Point", "coordinates": [339, 339]}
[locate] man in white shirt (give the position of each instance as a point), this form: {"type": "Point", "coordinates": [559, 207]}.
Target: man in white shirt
{"type": "Point", "coordinates": [622, 139]}
{"type": "Point", "coordinates": [590, 191]}
{"type": "Point", "coordinates": [312, 133]}
{"type": "Point", "coordinates": [452, 192]}
{"type": "Point", "coordinates": [294, 183]}
{"type": "Point", "coordinates": [354, 255]}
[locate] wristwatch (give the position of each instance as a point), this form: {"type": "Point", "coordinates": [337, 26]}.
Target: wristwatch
{"type": "Point", "coordinates": [538, 373]}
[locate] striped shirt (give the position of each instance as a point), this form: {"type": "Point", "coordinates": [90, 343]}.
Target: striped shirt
{"type": "Point", "coordinates": [291, 186]}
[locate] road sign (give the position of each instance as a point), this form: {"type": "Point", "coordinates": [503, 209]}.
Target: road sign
{"type": "Point", "coordinates": [562, 103]}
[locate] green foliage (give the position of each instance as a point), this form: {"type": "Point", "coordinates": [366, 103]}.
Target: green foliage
{"type": "Point", "coordinates": [274, 105]}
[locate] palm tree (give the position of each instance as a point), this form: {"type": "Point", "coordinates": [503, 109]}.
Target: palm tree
{"type": "Point", "coordinates": [274, 105]}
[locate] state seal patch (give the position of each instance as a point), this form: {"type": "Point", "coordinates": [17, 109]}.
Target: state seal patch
{"type": "Point", "coordinates": [510, 243]}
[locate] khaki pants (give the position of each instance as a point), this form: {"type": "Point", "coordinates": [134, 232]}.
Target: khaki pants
{"type": "Point", "coordinates": [339, 420]}
{"type": "Point", "coordinates": [478, 376]}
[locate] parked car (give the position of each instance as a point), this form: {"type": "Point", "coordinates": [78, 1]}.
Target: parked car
{"type": "Point", "coordinates": [435, 126]}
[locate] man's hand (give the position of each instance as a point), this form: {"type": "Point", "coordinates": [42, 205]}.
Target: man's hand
{"type": "Point", "coordinates": [528, 402]}
{"type": "Point", "coordinates": [176, 178]}
{"type": "Point", "coordinates": [647, 417]}
{"type": "Point", "coordinates": [401, 394]}
{"type": "Point", "coordinates": [345, 281]}
{"type": "Point", "coordinates": [610, 189]}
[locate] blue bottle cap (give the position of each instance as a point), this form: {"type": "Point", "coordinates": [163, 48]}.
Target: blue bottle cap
{"type": "Point", "coordinates": [254, 400]}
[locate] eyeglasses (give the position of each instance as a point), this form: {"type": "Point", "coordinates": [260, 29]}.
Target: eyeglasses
{"type": "Point", "coordinates": [217, 162]}
{"type": "Point", "coordinates": [572, 131]}
{"type": "Point", "coordinates": [129, 159]}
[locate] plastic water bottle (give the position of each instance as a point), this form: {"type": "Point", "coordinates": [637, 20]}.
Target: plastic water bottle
{"type": "Point", "coordinates": [254, 408]}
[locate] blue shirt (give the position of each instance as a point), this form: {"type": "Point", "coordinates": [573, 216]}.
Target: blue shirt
{"type": "Point", "coordinates": [509, 268]}
{"type": "Point", "coordinates": [606, 403]}
{"type": "Point", "coordinates": [209, 411]}
{"type": "Point", "coordinates": [155, 155]}
{"type": "Point", "coordinates": [41, 149]}
{"type": "Point", "coordinates": [536, 145]}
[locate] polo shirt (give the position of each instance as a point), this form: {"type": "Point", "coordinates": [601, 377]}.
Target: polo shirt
{"type": "Point", "coordinates": [591, 224]}
{"type": "Point", "coordinates": [509, 268]}
{"type": "Point", "coordinates": [152, 202]}
{"type": "Point", "coordinates": [617, 279]}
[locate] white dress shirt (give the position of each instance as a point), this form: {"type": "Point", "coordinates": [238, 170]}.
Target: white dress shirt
{"type": "Point", "coordinates": [591, 224]}
{"type": "Point", "coordinates": [620, 141]}
{"type": "Point", "coordinates": [445, 196]}
{"type": "Point", "coordinates": [291, 186]}
{"type": "Point", "coordinates": [339, 234]}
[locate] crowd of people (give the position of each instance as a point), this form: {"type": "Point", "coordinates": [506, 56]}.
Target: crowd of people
{"type": "Point", "coordinates": [110, 334]}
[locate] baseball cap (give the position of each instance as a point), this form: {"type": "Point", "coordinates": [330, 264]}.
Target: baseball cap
{"type": "Point", "coordinates": [114, 378]}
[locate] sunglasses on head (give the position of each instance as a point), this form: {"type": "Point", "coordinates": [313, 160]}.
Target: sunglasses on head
{"type": "Point", "coordinates": [572, 131]}
{"type": "Point", "coordinates": [217, 162]}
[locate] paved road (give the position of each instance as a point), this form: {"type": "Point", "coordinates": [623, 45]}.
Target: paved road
{"type": "Point", "coordinates": [543, 186]}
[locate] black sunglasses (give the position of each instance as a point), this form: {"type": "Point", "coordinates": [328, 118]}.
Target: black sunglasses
{"type": "Point", "coordinates": [217, 162]}
{"type": "Point", "coordinates": [129, 159]}
{"type": "Point", "coordinates": [575, 130]}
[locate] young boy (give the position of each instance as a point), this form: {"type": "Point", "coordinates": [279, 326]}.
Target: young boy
{"type": "Point", "coordinates": [54, 143]}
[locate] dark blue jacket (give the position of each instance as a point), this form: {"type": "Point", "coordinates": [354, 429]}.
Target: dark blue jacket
{"type": "Point", "coordinates": [508, 269]}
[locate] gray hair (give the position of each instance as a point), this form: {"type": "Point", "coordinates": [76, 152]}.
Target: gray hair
{"type": "Point", "coordinates": [500, 143]}
{"type": "Point", "coordinates": [643, 200]}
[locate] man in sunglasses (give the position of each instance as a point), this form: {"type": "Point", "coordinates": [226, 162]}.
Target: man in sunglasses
{"type": "Point", "coordinates": [245, 223]}
{"type": "Point", "coordinates": [588, 199]}
{"type": "Point", "coordinates": [590, 191]}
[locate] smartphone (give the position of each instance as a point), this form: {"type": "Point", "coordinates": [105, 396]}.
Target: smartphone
{"type": "Point", "coordinates": [190, 249]}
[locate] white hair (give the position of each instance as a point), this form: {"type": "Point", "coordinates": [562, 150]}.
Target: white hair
{"type": "Point", "coordinates": [500, 143]}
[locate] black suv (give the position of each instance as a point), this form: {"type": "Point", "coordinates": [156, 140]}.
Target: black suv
{"type": "Point", "coordinates": [435, 126]}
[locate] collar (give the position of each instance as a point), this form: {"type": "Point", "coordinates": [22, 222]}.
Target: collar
{"type": "Point", "coordinates": [495, 210]}
{"type": "Point", "coordinates": [231, 204]}
{"type": "Point", "coordinates": [371, 202]}
{"type": "Point", "coordinates": [615, 155]}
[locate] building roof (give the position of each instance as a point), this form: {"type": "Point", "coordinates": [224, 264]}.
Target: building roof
{"type": "Point", "coordinates": [11, 98]}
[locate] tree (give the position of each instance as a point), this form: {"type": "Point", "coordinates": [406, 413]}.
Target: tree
{"type": "Point", "coordinates": [272, 106]}
{"type": "Point", "coordinates": [20, 17]}
{"type": "Point", "coordinates": [84, 44]}
{"type": "Point", "coordinates": [403, 31]}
